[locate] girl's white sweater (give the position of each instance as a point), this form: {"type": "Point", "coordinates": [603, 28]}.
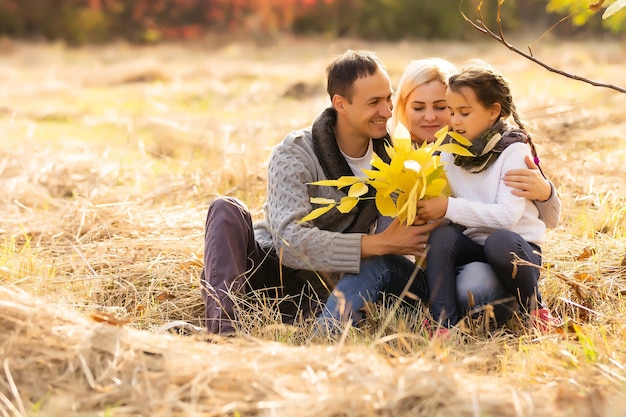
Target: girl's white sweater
{"type": "Point", "coordinates": [483, 203]}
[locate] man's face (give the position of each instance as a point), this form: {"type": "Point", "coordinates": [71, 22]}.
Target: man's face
{"type": "Point", "coordinates": [371, 105]}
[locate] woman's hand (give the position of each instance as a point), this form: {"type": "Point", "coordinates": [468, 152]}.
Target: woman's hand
{"type": "Point", "coordinates": [528, 183]}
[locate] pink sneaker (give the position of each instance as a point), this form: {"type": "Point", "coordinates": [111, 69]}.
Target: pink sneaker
{"type": "Point", "coordinates": [542, 320]}
{"type": "Point", "coordinates": [440, 333]}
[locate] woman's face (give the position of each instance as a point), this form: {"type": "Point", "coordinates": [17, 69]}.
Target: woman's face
{"type": "Point", "coordinates": [427, 110]}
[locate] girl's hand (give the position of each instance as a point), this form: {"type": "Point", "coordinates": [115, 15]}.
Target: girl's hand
{"type": "Point", "coordinates": [528, 183]}
{"type": "Point", "coordinates": [433, 208]}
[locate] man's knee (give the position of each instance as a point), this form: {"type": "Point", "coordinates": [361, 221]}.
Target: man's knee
{"type": "Point", "coordinates": [224, 204]}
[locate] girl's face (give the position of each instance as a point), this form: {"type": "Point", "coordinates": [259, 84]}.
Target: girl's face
{"type": "Point", "coordinates": [467, 115]}
{"type": "Point", "coordinates": [427, 111]}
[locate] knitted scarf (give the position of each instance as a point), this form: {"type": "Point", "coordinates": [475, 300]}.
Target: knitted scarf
{"type": "Point", "coordinates": [488, 146]}
{"type": "Point", "coordinates": [335, 165]}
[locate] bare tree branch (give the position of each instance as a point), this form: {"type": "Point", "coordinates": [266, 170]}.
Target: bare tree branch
{"type": "Point", "coordinates": [480, 25]}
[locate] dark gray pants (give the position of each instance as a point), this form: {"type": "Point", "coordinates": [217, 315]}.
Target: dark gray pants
{"type": "Point", "coordinates": [238, 272]}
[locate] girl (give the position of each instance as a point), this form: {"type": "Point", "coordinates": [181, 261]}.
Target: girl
{"type": "Point", "coordinates": [489, 223]}
{"type": "Point", "coordinates": [420, 104]}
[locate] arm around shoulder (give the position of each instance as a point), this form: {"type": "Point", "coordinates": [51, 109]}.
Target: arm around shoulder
{"type": "Point", "coordinates": [550, 209]}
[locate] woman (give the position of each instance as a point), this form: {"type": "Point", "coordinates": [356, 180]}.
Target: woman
{"type": "Point", "coordinates": [420, 105]}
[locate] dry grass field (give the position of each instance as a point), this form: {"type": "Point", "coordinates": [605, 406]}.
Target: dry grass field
{"type": "Point", "coordinates": [109, 157]}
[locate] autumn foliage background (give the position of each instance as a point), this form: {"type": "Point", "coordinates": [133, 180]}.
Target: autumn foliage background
{"type": "Point", "coordinates": [149, 21]}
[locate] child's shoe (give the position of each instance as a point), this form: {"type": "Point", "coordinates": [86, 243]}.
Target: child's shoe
{"type": "Point", "coordinates": [435, 332]}
{"type": "Point", "coordinates": [442, 334]}
{"type": "Point", "coordinates": [543, 321]}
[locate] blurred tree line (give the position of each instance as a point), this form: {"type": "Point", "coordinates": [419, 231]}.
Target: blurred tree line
{"type": "Point", "coordinates": [82, 21]}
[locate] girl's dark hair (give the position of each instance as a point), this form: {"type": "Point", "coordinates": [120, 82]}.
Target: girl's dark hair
{"type": "Point", "coordinates": [490, 88]}
{"type": "Point", "coordinates": [345, 69]}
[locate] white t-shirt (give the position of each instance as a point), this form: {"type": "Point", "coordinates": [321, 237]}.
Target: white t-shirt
{"type": "Point", "coordinates": [357, 165]}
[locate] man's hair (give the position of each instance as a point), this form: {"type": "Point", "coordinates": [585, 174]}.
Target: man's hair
{"type": "Point", "coordinates": [345, 69]}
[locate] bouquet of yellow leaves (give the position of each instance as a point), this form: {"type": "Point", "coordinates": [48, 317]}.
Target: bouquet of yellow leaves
{"type": "Point", "coordinates": [412, 174]}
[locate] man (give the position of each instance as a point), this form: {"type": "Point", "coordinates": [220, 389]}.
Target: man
{"type": "Point", "coordinates": [290, 262]}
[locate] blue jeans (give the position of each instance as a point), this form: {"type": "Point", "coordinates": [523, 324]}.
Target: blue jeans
{"type": "Point", "coordinates": [379, 275]}
{"type": "Point", "coordinates": [479, 279]}
{"type": "Point", "coordinates": [450, 248]}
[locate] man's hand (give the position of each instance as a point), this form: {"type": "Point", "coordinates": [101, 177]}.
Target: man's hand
{"type": "Point", "coordinates": [398, 239]}
{"type": "Point", "coordinates": [528, 183]}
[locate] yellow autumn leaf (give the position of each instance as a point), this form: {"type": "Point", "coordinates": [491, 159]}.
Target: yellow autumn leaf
{"type": "Point", "coordinates": [381, 186]}
{"type": "Point", "coordinates": [455, 149]}
{"type": "Point", "coordinates": [322, 200]}
{"type": "Point", "coordinates": [386, 205]}
{"type": "Point", "coordinates": [412, 203]}
{"type": "Point", "coordinates": [440, 136]}
{"type": "Point", "coordinates": [422, 186]}
{"type": "Point", "coordinates": [339, 182]}
{"type": "Point", "coordinates": [402, 145]}
{"type": "Point", "coordinates": [358, 189]}
{"type": "Point", "coordinates": [442, 132]}
{"type": "Point", "coordinates": [347, 204]}
{"type": "Point", "coordinates": [391, 151]}
{"type": "Point", "coordinates": [436, 188]}
{"type": "Point", "coordinates": [378, 163]}
{"type": "Point", "coordinates": [420, 155]}
{"type": "Point", "coordinates": [314, 214]}
{"type": "Point", "coordinates": [460, 138]}
{"type": "Point", "coordinates": [401, 204]}
{"type": "Point", "coordinates": [438, 172]}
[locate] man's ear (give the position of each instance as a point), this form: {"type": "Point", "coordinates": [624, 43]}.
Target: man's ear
{"type": "Point", "coordinates": [338, 102]}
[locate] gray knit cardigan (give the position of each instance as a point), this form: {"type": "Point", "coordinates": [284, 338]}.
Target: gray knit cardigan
{"type": "Point", "coordinates": [331, 243]}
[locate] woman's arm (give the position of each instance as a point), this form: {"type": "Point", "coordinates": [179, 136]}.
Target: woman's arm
{"type": "Point", "coordinates": [531, 184]}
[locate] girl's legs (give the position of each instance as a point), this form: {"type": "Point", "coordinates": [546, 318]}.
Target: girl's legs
{"type": "Point", "coordinates": [520, 280]}
{"type": "Point", "coordinates": [448, 248]}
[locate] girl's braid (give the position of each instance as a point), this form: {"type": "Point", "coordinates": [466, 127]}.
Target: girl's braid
{"type": "Point", "coordinates": [508, 108]}
{"type": "Point", "coordinates": [533, 150]}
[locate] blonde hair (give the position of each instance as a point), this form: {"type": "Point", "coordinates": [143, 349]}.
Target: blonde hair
{"type": "Point", "coordinates": [418, 72]}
